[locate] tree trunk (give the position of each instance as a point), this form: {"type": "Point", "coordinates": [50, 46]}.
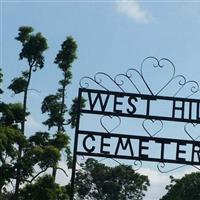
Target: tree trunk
{"type": "Point", "coordinates": [18, 175]}
{"type": "Point", "coordinates": [60, 125]}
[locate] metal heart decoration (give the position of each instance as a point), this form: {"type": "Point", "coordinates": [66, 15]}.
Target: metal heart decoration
{"type": "Point", "coordinates": [193, 131]}
{"type": "Point", "coordinates": [110, 123]}
{"type": "Point", "coordinates": [157, 74]}
{"type": "Point", "coordinates": [152, 127]}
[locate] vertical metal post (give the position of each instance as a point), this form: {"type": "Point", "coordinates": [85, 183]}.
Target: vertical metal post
{"type": "Point", "coordinates": [75, 147]}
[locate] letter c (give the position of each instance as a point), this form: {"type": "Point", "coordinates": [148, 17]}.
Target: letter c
{"type": "Point", "coordinates": [89, 150]}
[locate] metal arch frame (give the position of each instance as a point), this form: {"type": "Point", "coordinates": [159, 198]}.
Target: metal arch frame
{"type": "Point", "coordinates": [119, 81]}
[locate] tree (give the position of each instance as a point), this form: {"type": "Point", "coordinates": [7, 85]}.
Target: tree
{"type": "Point", "coordinates": [54, 105]}
{"type": "Point", "coordinates": [39, 149]}
{"type": "Point", "coordinates": [44, 188]}
{"type": "Point", "coordinates": [20, 154]}
{"type": "Point", "coordinates": [33, 47]}
{"type": "Point", "coordinates": [101, 182]}
{"type": "Point", "coordinates": [185, 188]}
{"type": "Point", "coordinates": [10, 138]}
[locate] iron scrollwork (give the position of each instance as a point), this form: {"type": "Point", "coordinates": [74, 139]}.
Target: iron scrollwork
{"type": "Point", "coordinates": [145, 81]}
{"type": "Point", "coordinates": [139, 80]}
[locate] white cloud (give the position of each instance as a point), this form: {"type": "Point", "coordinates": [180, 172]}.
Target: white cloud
{"type": "Point", "coordinates": [133, 10]}
{"type": "Point", "coordinates": [158, 182]}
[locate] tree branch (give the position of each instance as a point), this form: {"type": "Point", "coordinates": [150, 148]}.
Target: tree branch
{"type": "Point", "coordinates": [33, 178]}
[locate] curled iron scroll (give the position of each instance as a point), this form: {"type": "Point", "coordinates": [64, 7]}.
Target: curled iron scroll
{"type": "Point", "coordinates": [161, 168]}
{"type": "Point", "coordinates": [83, 159]}
{"type": "Point", "coordinates": [133, 76]}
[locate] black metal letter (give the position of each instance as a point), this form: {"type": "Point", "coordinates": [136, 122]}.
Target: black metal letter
{"type": "Point", "coordinates": [103, 144]}
{"type": "Point", "coordinates": [181, 108]}
{"type": "Point", "coordinates": [98, 98]}
{"type": "Point", "coordinates": [117, 103]}
{"type": "Point", "coordinates": [124, 146]}
{"type": "Point", "coordinates": [178, 151]}
{"type": "Point", "coordinates": [141, 147]}
{"type": "Point", "coordinates": [198, 117]}
{"type": "Point", "coordinates": [85, 146]}
{"type": "Point", "coordinates": [195, 151]}
{"type": "Point", "coordinates": [132, 105]}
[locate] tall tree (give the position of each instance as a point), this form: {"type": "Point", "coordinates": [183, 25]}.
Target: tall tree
{"type": "Point", "coordinates": [33, 47]}
{"type": "Point", "coordinates": [55, 104]}
{"type": "Point", "coordinates": [20, 154]}
{"type": "Point", "coordinates": [100, 182]}
{"type": "Point", "coordinates": [185, 188]}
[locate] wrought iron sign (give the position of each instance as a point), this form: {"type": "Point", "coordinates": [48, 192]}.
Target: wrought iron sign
{"type": "Point", "coordinates": [128, 142]}
{"type": "Point", "coordinates": [154, 95]}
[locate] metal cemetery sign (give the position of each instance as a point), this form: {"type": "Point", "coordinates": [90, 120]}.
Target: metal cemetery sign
{"type": "Point", "coordinates": [135, 95]}
{"type": "Point", "coordinates": [177, 113]}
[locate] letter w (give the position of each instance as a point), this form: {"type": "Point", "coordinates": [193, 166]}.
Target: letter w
{"type": "Point", "coordinates": [98, 97]}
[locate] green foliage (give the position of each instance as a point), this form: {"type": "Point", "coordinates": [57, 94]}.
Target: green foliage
{"type": "Point", "coordinates": [10, 139]}
{"type": "Point", "coordinates": [47, 150]}
{"type": "Point", "coordinates": [18, 85]}
{"type": "Point", "coordinates": [33, 46]}
{"type": "Point", "coordinates": [52, 105]}
{"type": "Point", "coordinates": [98, 181]}
{"type": "Point", "coordinates": [20, 155]}
{"type": "Point", "coordinates": [39, 149]}
{"type": "Point", "coordinates": [40, 139]}
{"type": "Point", "coordinates": [60, 141]}
{"type": "Point", "coordinates": [66, 55]}
{"type": "Point", "coordinates": [11, 114]}
{"type": "Point", "coordinates": [24, 34]}
{"type": "Point", "coordinates": [185, 188]}
{"type": "Point", "coordinates": [49, 157]}
{"type": "Point", "coordinates": [44, 188]}
{"type": "Point", "coordinates": [73, 112]}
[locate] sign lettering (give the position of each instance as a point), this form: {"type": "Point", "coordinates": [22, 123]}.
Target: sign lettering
{"type": "Point", "coordinates": [129, 105]}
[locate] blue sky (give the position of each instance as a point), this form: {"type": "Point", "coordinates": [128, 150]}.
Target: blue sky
{"type": "Point", "coordinates": [112, 36]}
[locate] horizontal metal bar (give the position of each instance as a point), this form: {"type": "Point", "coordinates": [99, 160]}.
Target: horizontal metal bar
{"type": "Point", "coordinates": [140, 116]}
{"type": "Point", "coordinates": [152, 97]}
{"type": "Point", "coordinates": [136, 158]}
